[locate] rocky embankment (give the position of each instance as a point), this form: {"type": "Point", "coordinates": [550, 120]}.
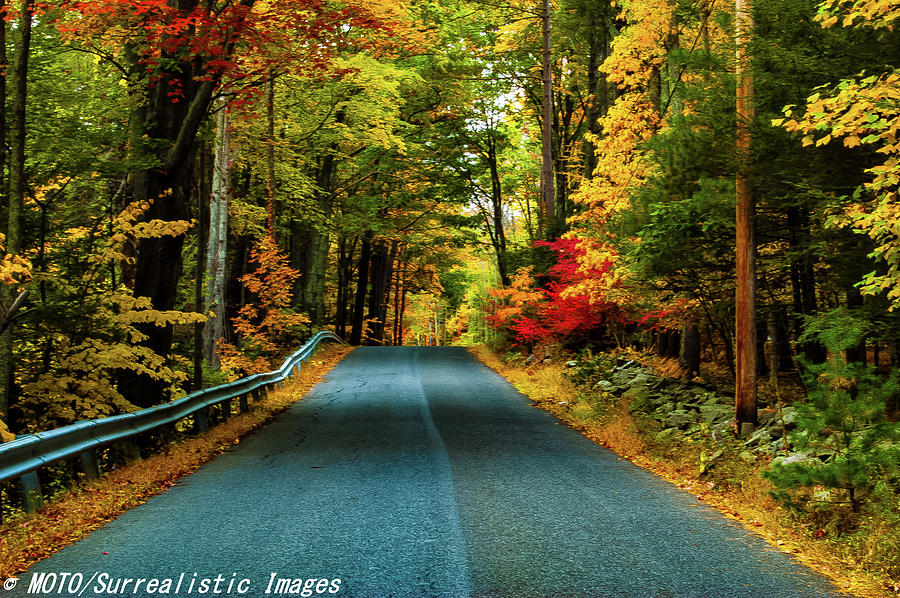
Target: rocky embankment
{"type": "Point", "coordinates": [677, 409]}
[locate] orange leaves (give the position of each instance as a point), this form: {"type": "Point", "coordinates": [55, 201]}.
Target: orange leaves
{"type": "Point", "coordinates": [264, 325]}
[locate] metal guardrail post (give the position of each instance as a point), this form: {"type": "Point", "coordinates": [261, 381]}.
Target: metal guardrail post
{"type": "Point", "coordinates": [167, 434]}
{"type": "Point", "coordinates": [31, 492]}
{"type": "Point", "coordinates": [89, 465]}
{"type": "Point", "coordinates": [226, 409]}
{"type": "Point", "coordinates": [201, 421]}
{"type": "Point", "coordinates": [245, 407]}
{"type": "Point", "coordinates": [130, 450]}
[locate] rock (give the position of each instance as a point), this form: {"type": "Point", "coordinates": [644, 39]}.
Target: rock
{"type": "Point", "coordinates": [766, 415]}
{"type": "Point", "coordinates": [715, 413]}
{"type": "Point", "coordinates": [679, 419]}
{"type": "Point", "coordinates": [789, 417]}
{"type": "Point", "coordinates": [714, 399]}
{"type": "Point", "coordinates": [666, 435]}
{"type": "Point", "coordinates": [530, 359]}
{"type": "Point", "coordinates": [571, 364]}
{"type": "Point", "coordinates": [757, 437]}
{"type": "Point", "coordinates": [792, 458]}
{"type": "Point", "coordinates": [635, 391]}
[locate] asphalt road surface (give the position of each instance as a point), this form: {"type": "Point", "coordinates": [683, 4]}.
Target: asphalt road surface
{"type": "Point", "coordinates": [420, 472]}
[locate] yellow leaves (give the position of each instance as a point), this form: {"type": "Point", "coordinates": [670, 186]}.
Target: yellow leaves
{"type": "Point", "coordinates": [14, 269]}
{"type": "Point", "coordinates": [5, 434]}
{"type": "Point", "coordinates": [864, 111]}
{"type": "Point", "coordinates": [162, 318]}
{"type": "Point", "coordinates": [159, 228]}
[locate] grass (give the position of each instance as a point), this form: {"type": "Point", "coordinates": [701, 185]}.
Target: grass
{"type": "Point", "coordinates": [26, 539]}
{"type": "Point", "coordinates": [733, 487]}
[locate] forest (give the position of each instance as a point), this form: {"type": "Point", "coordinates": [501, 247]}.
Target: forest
{"type": "Point", "coordinates": [191, 188]}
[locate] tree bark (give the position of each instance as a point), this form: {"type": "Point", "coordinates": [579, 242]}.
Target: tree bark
{"type": "Point", "coordinates": [690, 349]}
{"type": "Point", "coordinates": [270, 155]}
{"type": "Point", "coordinates": [16, 194]}
{"type": "Point", "coordinates": [203, 184]}
{"type": "Point", "coordinates": [547, 182]}
{"type": "Point", "coordinates": [362, 282]}
{"type": "Point", "coordinates": [745, 306]}
{"type": "Point", "coordinates": [163, 134]}
{"type": "Point", "coordinates": [217, 251]}
{"type": "Point", "coordinates": [346, 251]}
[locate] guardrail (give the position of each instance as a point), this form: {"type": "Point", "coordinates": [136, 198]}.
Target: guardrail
{"type": "Point", "coordinates": [23, 456]}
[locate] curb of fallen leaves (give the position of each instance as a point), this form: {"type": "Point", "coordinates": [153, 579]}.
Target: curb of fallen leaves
{"type": "Point", "coordinates": [75, 513]}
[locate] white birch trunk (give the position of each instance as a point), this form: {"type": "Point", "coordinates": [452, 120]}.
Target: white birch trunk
{"type": "Point", "coordinates": [217, 250]}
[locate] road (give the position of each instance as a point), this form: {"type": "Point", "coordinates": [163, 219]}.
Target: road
{"type": "Point", "coordinates": [420, 472]}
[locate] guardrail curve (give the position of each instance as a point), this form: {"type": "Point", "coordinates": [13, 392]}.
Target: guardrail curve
{"type": "Point", "coordinates": [23, 456]}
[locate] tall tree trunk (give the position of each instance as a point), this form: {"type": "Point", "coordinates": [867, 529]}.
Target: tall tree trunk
{"type": "Point", "coordinates": [380, 273]}
{"type": "Point", "coordinates": [499, 236]}
{"type": "Point", "coordinates": [16, 194]}
{"type": "Point", "coordinates": [203, 194]}
{"type": "Point", "coordinates": [270, 155]}
{"type": "Point", "coordinates": [598, 102]}
{"type": "Point", "coordinates": [346, 251]}
{"type": "Point", "coordinates": [745, 307]}
{"type": "Point", "coordinates": [362, 281]}
{"type": "Point", "coordinates": [402, 312]}
{"type": "Point", "coordinates": [162, 139]}
{"type": "Point", "coordinates": [547, 183]}
{"type": "Point", "coordinates": [217, 251]}
{"type": "Point", "coordinates": [803, 282]}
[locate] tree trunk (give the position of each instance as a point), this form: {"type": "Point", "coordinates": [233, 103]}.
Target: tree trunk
{"type": "Point", "coordinates": [270, 155]}
{"type": "Point", "coordinates": [803, 282]}
{"type": "Point", "coordinates": [203, 193]}
{"type": "Point", "coordinates": [499, 236]}
{"type": "Point", "coordinates": [362, 281]}
{"type": "Point", "coordinates": [745, 306]}
{"type": "Point", "coordinates": [380, 272]}
{"type": "Point", "coordinates": [690, 349]}
{"type": "Point", "coordinates": [547, 183]}
{"type": "Point", "coordinates": [344, 279]}
{"type": "Point", "coordinates": [217, 253]}
{"type": "Point", "coordinates": [16, 194]}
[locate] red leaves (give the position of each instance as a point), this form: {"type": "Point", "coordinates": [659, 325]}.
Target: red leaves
{"type": "Point", "coordinates": [237, 44]}
{"type": "Point", "coordinates": [557, 312]}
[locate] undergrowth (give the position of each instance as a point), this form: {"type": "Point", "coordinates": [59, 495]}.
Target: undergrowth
{"type": "Point", "coordinates": [26, 539]}
{"type": "Point", "coordinates": [857, 559]}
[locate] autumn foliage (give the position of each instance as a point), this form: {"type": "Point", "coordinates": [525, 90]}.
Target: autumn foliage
{"type": "Point", "coordinates": [264, 327]}
{"type": "Point", "coordinates": [558, 312]}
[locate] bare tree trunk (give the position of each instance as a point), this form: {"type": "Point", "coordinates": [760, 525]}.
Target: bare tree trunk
{"type": "Point", "coordinates": [362, 282]}
{"type": "Point", "coordinates": [202, 227]}
{"type": "Point", "coordinates": [547, 182]}
{"type": "Point", "coordinates": [270, 155]}
{"type": "Point", "coordinates": [217, 253]}
{"type": "Point", "coordinates": [745, 308]}
{"type": "Point", "coordinates": [16, 194]}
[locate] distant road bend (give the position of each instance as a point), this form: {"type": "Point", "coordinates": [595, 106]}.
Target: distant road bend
{"type": "Point", "coordinates": [420, 472]}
